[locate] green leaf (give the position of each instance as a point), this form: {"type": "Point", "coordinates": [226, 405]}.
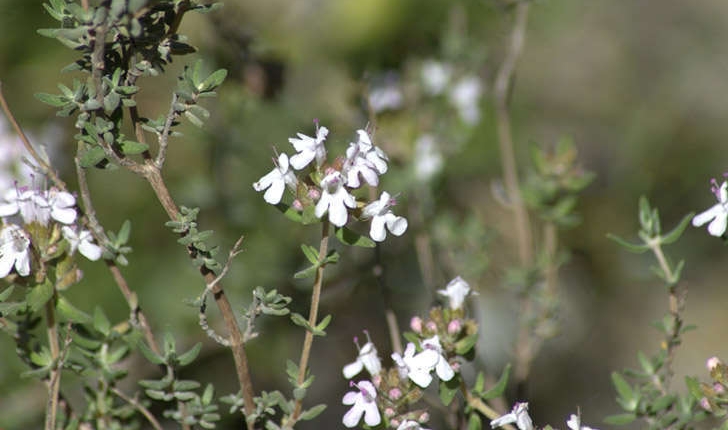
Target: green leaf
{"type": "Point", "coordinates": [498, 389]}
{"type": "Point", "coordinates": [118, 354]}
{"type": "Point", "coordinates": [313, 412]}
{"type": "Point", "coordinates": [675, 233]}
{"type": "Point", "coordinates": [694, 387]}
{"type": "Point", "coordinates": [51, 99]}
{"type": "Point", "coordinates": [479, 383]}
{"type": "Point", "coordinates": [101, 322]}
{"type": "Point", "coordinates": [299, 393]}
{"type": "Point", "coordinates": [348, 237]}
{"type": "Point", "coordinates": [39, 295]}
{"type": "Point", "coordinates": [474, 422]}
{"type": "Point", "coordinates": [213, 81]}
{"type": "Point", "coordinates": [71, 313]}
{"type": "Point", "coordinates": [130, 147]}
{"type": "Point", "coordinates": [311, 253]}
{"type": "Point", "coordinates": [324, 323]}
{"type": "Point", "coordinates": [663, 403]}
{"type": "Point", "coordinates": [305, 273]}
{"type": "Point", "coordinates": [193, 119]}
{"type": "Point", "coordinates": [124, 232]}
{"type": "Point", "coordinates": [448, 390]}
{"type": "Point", "coordinates": [208, 394]}
{"type": "Point", "coordinates": [299, 320]}
{"type": "Point", "coordinates": [154, 384]}
{"type": "Point", "coordinates": [92, 156]}
{"type": "Point", "coordinates": [289, 212]}
{"type": "Point", "coordinates": [637, 249]}
{"type": "Point", "coordinates": [625, 392]}
{"type": "Point", "coordinates": [646, 364]}
{"type": "Point", "coordinates": [620, 419]}
{"type": "Point", "coordinates": [185, 385]}
{"type": "Point", "coordinates": [6, 293]}
{"type": "Point", "coordinates": [189, 356]}
{"type": "Point", "coordinates": [150, 355]}
{"type": "Point", "coordinates": [463, 346]}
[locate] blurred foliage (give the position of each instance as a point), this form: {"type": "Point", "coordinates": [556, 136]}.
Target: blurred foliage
{"type": "Point", "coordinates": [639, 86]}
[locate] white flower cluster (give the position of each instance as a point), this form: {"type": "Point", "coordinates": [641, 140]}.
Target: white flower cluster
{"type": "Point", "coordinates": [519, 416]}
{"type": "Point", "coordinates": [40, 207]}
{"type": "Point", "coordinates": [415, 366]}
{"type": "Point", "coordinates": [330, 192]}
{"type": "Point", "coordinates": [463, 93]}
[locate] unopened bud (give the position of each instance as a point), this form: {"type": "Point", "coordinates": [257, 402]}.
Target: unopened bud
{"type": "Point", "coordinates": [395, 393]}
{"type": "Point", "coordinates": [314, 194]}
{"type": "Point", "coordinates": [389, 412]}
{"type": "Point", "coordinates": [297, 205]}
{"type": "Point", "coordinates": [454, 327]}
{"type": "Point", "coordinates": [416, 324]}
{"type": "Point", "coordinates": [705, 404]}
{"type": "Point", "coordinates": [712, 363]}
{"type": "Point", "coordinates": [431, 326]}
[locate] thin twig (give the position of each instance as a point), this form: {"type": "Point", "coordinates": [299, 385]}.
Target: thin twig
{"type": "Point", "coordinates": [144, 411]}
{"type": "Point", "coordinates": [55, 376]}
{"type": "Point", "coordinates": [476, 403]}
{"type": "Point", "coordinates": [312, 315]}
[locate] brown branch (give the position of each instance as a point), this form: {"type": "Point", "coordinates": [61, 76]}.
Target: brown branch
{"type": "Point", "coordinates": [312, 316]}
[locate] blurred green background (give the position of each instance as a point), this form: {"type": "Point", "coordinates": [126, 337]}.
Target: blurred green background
{"type": "Point", "coordinates": [639, 85]}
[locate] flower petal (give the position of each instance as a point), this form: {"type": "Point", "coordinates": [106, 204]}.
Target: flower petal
{"type": "Point", "coordinates": [718, 226]}
{"type": "Point", "coordinates": [353, 369]}
{"type": "Point", "coordinates": [377, 232]}
{"type": "Point", "coordinates": [353, 415]}
{"type": "Point", "coordinates": [708, 215]}
{"type": "Point", "coordinates": [397, 224]}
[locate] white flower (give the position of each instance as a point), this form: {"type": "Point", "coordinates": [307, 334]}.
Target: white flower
{"type": "Point", "coordinates": [442, 367]}
{"type": "Point", "coordinates": [410, 425]}
{"type": "Point", "coordinates": [14, 243]}
{"type": "Point", "coordinates": [366, 159]}
{"type": "Point", "coordinates": [62, 206]}
{"type": "Point", "coordinates": [428, 159]}
{"type": "Point", "coordinates": [518, 415]}
{"type": "Point", "coordinates": [718, 213]}
{"type": "Point", "coordinates": [334, 199]}
{"type": "Point", "coordinates": [465, 96]}
{"type": "Point", "coordinates": [386, 97]}
{"type": "Point", "coordinates": [456, 292]}
{"type": "Point", "coordinates": [364, 403]}
{"type": "Point", "coordinates": [417, 367]}
{"type": "Point", "coordinates": [309, 148]}
{"type": "Point", "coordinates": [82, 242]}
{"type": "Point", "coordinates": [40, 206]}
{"type": "Point", "coordinates": [276, 180]}
{"type": "Point", "coordinates": [381, 214]}
{"type": "Point", "coordinates": [435, 76]}
{"type": "Point", "coordinates": [574, 423]}
{"type": "Point", "coordinates": [367, 359]}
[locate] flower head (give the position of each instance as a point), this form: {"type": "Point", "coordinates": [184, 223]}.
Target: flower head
{"type": "Point", "coordinates": [456, 291]}
{"type": "Point", "coordinates": [518, 415]}
{"type": "Point", "coordinates": [334, 199]}
{"type": "Point", "coordinates": [717, 214]}
{"type": "Point", "coordinates": [276, 180]}
{"type": "Point", "coordinates": [309, 148]}
{"type": "Point", "coordinates": [381, 214]}
{"type": "Point", "coordinates": [364, 403]}
{"type": "Point", "coordinates": [39, 206]}
{"type": "Point", "coordinates": [83, 242]}
{"type": "Point", "coordinates": [365, 159]}
{"type": "Point", "coordinates": [442, 367]}
{"type": "Point", "coordinates": [574, 423]}
{"type": "Point", "coordinates": [416, 367]}
{"type": "Point", "coordinates": [367, 359]}
{"type": "Point", "coordinates": [14, 243]}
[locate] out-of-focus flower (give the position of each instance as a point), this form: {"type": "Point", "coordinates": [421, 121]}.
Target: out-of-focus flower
{"type": "Point", "coordinates": [363, 403]}
{"type": "Point", "coordinates": [83, 242]}
{"type": "Point", "coordinates": [365, 159]}
{"type": "Point", "coordinates": [456, 291]}
{"type": "Point", "coordinates": [417, 367]}
{"type": "Point", "coordinates": [465, 96]}
{"type": "Point", "coordinates": [275, 181]}
{"type": "Point", "coordinates": [386, 97]}
{"type": "Point", "coordinates": [367, 359]}
{"type": "Point", "coordinates": [442, 367]}
{"type": "Point", "coordinates": [574, 423]}
{"type": "Point", "coordinates": [427, 158]}
{"type": "Point", "coordinates": [717, 214]}
{"type": "Point", "coordinates": [309, 148]}
{"type": "Point", "coordinates": [334, 199]}
{"type": "Point", "coordinates": [435, 76]}
{"type": "Point", "coordinates": [381, 214]}
{"type": "Point", "coordinates": [518, 415]}
{"type": "Point", "coordinates": [14, 243]}
{"type": "Point", "coordinates": [410, 425]}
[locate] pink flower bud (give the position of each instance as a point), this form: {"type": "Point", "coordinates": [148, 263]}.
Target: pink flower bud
{"type": "Point", "coordinates": [297, 205]}
{"type": "Point", "coordinates": [455, 366]}
{"type": "Point", "coordinates": [377, 380]}
{"type": "Point", "coordinates": [394, 423]}
{"type": "Point", "coordinates": [314, 194]}
{"type": "Point", "coordinates": [719, 388]}
{"type": "Point", "coordinates": [416, 324]}
{"type": "Point", "coordinates": [424, 417]}
{"type": "Point", "coordinates": [705, 404]}
{"type": "Point", "coordinates": [712, 363]}
{"type": "Point", "coordinates": [454, 327]}
{"type": "Point", "coordinates": [389, 412]}
{"type": "Point", "coordinates": [395, 393]}
{"type": "Point", "coordinates": [431, 326]}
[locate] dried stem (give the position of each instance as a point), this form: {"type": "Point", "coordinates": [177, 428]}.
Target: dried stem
{"type": "Point", "coordinates": [144, 411]}
{"type": "Point", "coordinates": [312, 315]}
{"type": "Point", "coordinates": [503, 85]}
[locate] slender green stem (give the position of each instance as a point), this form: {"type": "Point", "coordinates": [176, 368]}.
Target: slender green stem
{"type": "Point", "coordinates": [54, 382]}
{"type": "Point", "coordinates": [312, 315]}
{"type": "Point", "coordinates": [482, 407]}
